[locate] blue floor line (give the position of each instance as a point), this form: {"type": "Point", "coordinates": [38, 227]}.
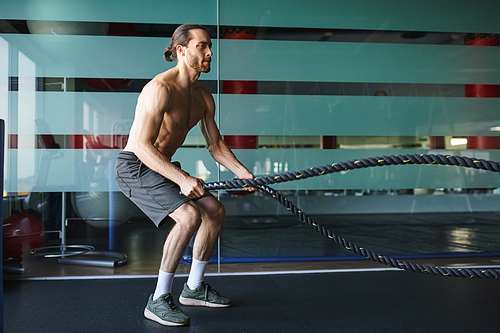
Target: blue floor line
{"type": "Point", "coordinates": [349, 258]}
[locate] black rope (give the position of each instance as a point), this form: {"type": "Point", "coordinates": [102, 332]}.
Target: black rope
{"type": "Point", "coordinates": [262, 182]}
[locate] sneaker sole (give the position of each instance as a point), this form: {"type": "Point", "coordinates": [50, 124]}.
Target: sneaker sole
{"type": "Point", "coordinates": [150, 315]}
{"type": "Point", "coordinates": [196, 302]}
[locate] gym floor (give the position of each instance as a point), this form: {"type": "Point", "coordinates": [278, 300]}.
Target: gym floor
{"type": "Point", "coordinates": [383, 301]}
{"type": "Point", "coordinates": [282, 276]}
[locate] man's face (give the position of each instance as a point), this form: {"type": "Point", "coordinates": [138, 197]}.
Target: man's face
{"type": "Point", "coordinates": [198, 52]}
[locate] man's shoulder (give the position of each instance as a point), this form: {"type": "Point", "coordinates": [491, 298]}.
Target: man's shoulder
{"type": "Point", "coordinates": [156, 90]}
{"type": "Point", "coordinates": [159, 84]}
{"type": "Point", "coordinates": [163, 79]}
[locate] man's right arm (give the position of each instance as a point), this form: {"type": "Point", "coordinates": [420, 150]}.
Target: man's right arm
{"type": "Point", "coordinates": [151, 106]}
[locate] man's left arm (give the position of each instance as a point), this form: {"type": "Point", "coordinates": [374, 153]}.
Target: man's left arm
{"type": "Point", "coordinates": [221, 153]}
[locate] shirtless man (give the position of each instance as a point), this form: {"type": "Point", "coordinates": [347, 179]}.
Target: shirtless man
{"type": "Point", "coordinates": [167, 108]}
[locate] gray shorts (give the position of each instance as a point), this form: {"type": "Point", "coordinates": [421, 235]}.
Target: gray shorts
{"type": "Point", "coordinates": [154, 194]}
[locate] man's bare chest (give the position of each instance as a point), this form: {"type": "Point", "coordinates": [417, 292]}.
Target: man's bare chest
{"type": "Point", "coordinates": [185, 115]}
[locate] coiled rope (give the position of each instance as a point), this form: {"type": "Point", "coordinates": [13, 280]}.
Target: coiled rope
{"type": "Point", "coordinates": [262, 182]}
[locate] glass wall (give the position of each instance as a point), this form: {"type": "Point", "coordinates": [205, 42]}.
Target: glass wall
{"type": "Point", "coordinates": [296, 84]}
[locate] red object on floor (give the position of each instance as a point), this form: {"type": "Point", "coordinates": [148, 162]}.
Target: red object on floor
{"type": "Point", "coordinates": [22, 231]}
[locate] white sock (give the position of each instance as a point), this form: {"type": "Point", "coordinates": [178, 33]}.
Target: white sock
{"type": "Point", "coordinates": [196, 274]}
{"type": "Point", "coordinates": [164, 284]}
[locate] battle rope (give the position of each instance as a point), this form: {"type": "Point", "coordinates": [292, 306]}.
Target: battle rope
{"type": "Point", "coordinates": [262, 182]}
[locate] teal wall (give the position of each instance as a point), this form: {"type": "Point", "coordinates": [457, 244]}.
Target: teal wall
{"type": "Point", "coordinates": [367, 61]}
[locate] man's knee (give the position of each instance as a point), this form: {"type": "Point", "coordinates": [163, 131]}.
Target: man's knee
{"type": "Point", "coordinates": [187, 216]}
{"type": "Point", "coordinates": [216, 215]}
{"type": "Point", "coordinates": [219, 212]}
{"type": "Point", "coordinates": [214, 210]}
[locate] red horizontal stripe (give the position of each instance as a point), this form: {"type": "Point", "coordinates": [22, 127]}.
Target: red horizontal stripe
{"type": "Point", "coordinates": [12, 144]}
{"type": "Point", "coordinates": [104, 141]}
{"type": "Point", "coordinates": [69, 141]}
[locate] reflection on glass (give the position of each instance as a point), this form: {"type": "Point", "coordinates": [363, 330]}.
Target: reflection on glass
{"type": "Point", "coordinates": [4, 94]}
{"type": "Point", "coordinates": [26, 114]}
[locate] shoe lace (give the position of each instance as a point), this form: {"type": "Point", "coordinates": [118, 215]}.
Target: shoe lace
{"type": "Point", "coordinates": [170, 302]}
{"type": "Point", "coordinates": [208, 289]}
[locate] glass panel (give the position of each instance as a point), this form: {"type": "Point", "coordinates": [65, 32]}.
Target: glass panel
{"type": "Point", "coordinates": [358, 115]}
{"type": "Point", "coordinates": [70, 75]}
{"type": "Point", "coordinates": [276, 161]}
{"type": "Point", "coordinates": [355, 62]}
{"type": "Point", "coordinates": [53, 170]}
{"type": "Point", "coordinates": [91, 170]}
{"type": "Point", "coordinates": [148, 11]}
{"type": "Point", "coordinates": [4, 78]}
{"type": "Point", "coordinates": [313, 70]}
{"type": "Point", "coordinates": [73, 113]}
{"type": "Point", "coordinates": [97, 56]}
{"type": "Point", "coordinates": [424, 15]}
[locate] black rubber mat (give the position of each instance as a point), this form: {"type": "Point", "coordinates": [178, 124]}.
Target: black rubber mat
{"type": "Point", "coordinates": [390, 301]}
{"type": "Point", "coordinates": [399, 235]}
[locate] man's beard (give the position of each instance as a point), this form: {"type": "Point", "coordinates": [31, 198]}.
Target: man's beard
{"type": "Point", "coordinates": [196, 64]}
